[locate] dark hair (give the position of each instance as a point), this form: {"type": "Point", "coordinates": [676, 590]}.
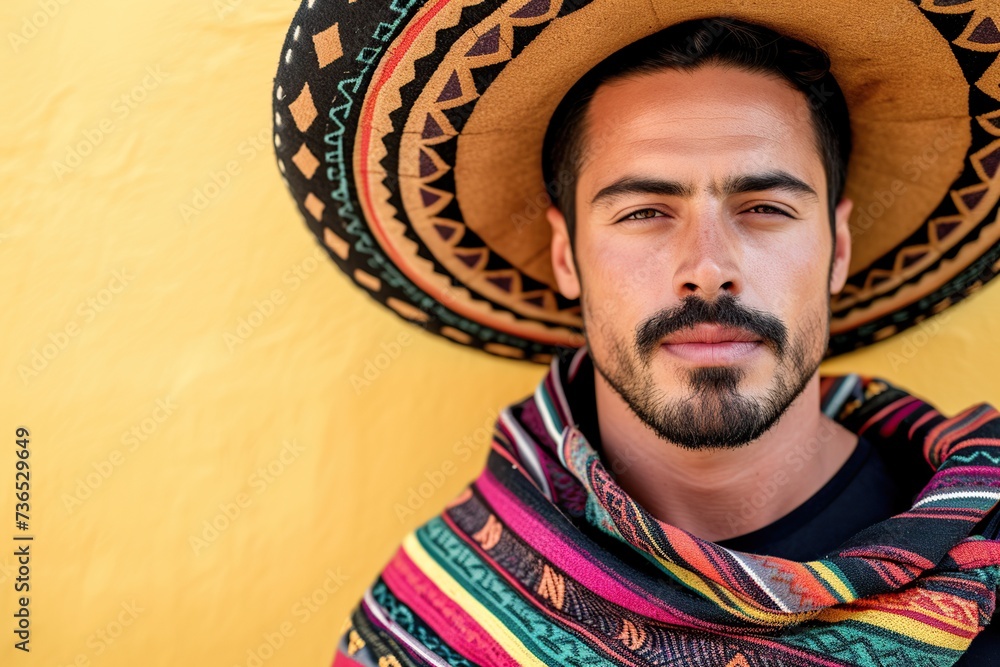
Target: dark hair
{"type": "Point", "coordinates": [687, 46]}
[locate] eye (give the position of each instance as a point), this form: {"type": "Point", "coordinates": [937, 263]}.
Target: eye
{"type": "Point", "coordinates": [642, 214]}
{"type": "Point", "coordinates": [769, 210]}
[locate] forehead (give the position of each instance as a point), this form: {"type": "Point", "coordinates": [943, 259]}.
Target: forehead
{"type": "Point", "coordinates": [713, 120]}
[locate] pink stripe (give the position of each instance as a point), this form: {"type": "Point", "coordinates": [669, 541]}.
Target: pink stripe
{"type": "Point", "coordinates": [960, 469]}
{"type": "Point", "coordinates": [575, 628]}
{"type": "Point", "coordinates": [564, 555]}
{"type": "Point", "coordinates": [439, 611]}
{"type": "Point", "coordinates": [930, 414]}
{"type": "Point", "coordinates": [342, 660]}
{"type": "Point", "coordinates": [946, 516]}
{"type": "Point", "coordinates": [889, 427]}
{"type": "Point", "coordinates": [975, 553]}
{"type": "Point", "coordinates": [884, 412]}
{"type": "Point", "coordinates": [574, 364]}
{"type": "Point", "coordinates": [930, 621]}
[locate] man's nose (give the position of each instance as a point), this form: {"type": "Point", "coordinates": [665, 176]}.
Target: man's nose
{"type": "Point", "coordinates": [709, 258]}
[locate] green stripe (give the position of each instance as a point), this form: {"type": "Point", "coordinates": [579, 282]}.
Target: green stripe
{"type": "Point", "coordinates": [843, 578]}
{"type": "Point", "coordinates": [549, 642]}
{"type": "Point", "coordinates": [867, 646]}
{"type": "Point", "coordinates": [550, 405]}
{"type": "Point", "coordinates": [827, 585]}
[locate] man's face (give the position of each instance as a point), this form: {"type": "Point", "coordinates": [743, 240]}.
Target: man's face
{"type": "Point", "coordinates": [703, 249]}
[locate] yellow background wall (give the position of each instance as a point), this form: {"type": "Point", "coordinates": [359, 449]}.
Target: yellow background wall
{"type": "Point", "coordinates": [153, 413]}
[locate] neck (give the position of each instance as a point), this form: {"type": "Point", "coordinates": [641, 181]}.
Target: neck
{"type": "Point", "coordinates": [717, 494]}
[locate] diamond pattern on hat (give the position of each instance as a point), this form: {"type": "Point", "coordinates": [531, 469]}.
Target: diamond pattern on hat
{"type": "Point", "coordinates": [328, 47]}
{"type": "Point", "coordinates": [335, 243]}
{"type": "Point", "coordinates": [409, 311]}
{"type": "Point", "coordinates": [303, 109]}
{"type": "Point", "coordinates": [305, 161]}
{"type": "Point", "coordinates": [450, 90]}
{"type": "Point", "coordinates": [367, 280]}
{"type": "Point", "coordinates": [314, 205]}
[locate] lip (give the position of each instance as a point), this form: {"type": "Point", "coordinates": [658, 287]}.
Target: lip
{"type": "Point", "coordinates": [712, 345]}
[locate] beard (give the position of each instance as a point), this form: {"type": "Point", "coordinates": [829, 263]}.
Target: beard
{"type": "Point", "coordinates": [715, 413]}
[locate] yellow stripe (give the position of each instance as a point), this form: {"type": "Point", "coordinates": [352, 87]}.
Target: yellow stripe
{"type": "Point", "coordinates": [835, 582]}
{"type": "Point", "coordinates": [733, 603]}
{"type": "Point", "coordinates": [689, 578]}
{"type": "Point", "coordinates": [497, 630]}
{"type": "Point", "coordinates": [899, 624]}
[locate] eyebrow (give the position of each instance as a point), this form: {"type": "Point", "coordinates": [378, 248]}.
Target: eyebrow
{"type": "Point", "coordinates": [769, 180]}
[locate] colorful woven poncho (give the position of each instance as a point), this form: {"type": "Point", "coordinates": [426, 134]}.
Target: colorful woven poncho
{"type": "Point", "coordinates": [545, 560]}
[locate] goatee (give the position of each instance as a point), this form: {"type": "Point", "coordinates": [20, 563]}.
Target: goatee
{"type": "Point", "coordinates": [716, 414]}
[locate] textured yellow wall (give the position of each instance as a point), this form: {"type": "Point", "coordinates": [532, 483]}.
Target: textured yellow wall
{"type": "Point", "coordinates": [179, 355]}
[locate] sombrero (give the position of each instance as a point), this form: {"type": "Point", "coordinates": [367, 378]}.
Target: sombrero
{"type": "Point", "coordinates": [410, 133]}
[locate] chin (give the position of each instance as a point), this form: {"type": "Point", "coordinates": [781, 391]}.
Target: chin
{"type": "Point", "coordinates": [751, 378]}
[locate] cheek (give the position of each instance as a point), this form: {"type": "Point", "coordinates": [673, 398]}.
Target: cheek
{"type": "Point", "coordinates": [792, 277]}
{"type": "Point", "coordinates": [626, 281]}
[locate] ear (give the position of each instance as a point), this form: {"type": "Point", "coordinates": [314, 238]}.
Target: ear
{"type": "Point", "coordinates": [562, 255]}
{"type": "Point", "coordinates": [842, 248]}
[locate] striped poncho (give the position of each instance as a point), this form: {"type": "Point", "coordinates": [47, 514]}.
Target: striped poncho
{"type": "Point", "coordinates": [545, 560]}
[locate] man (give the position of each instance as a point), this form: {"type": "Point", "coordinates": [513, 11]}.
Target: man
{"type": "Point", "coordinates": [685, 488]}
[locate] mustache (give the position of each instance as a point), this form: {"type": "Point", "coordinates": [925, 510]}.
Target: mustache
{"type": "Point", "coordinates": [725, 310]}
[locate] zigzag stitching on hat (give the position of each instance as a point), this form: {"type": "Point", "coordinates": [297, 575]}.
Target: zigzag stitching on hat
{"type": "Point", "coordinates": [910, 261]}
{"type": "Point", "coordinates": [457, 93]}
{"type": "Point", "coordinates": [525, 348]}
{"type": "Point", "coordinates": [896, 268]}
{"type": "Point", "coordinates": [449, 214]}
{"type": "Point", "coordinates": [981, 32]}
{"type": "Point", "coordinates": [968, 281]}
{"type": "Point", "coordinates": [337, 173]}
{"type": "Point", "coordinates": [465, 79]}
{"type": "Point", "coordinates": [355, 241]}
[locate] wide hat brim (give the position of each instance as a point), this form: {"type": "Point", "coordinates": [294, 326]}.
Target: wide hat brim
{"type": "Point", "coordinates": [410, 135]}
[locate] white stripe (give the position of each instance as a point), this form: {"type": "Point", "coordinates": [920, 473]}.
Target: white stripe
{"type": "Point", "coordinates": [574, 364]}
{"type": "Point", "coordinates": [561, 396]}
{"type": "Point", "coordinates": [527, 451]}
{"type": "Point", "coordinates": [837, 400]}
{"type": "Point", "coordinates": [550, 424]}
{"type": "Point", "coordinates": [957, 494]}
{"type": "Point", "coordinates": [408, 639]}
{"type": "Point", "coordinates": [760, 583]}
